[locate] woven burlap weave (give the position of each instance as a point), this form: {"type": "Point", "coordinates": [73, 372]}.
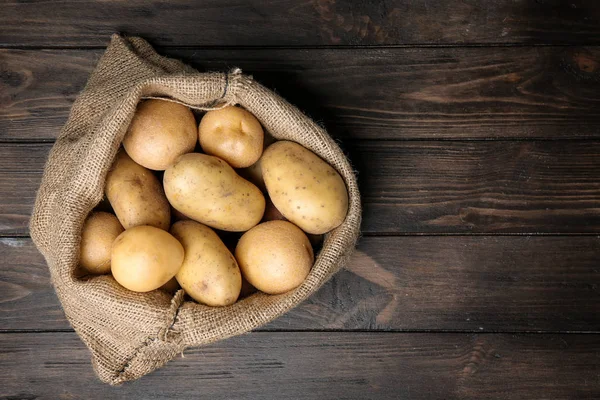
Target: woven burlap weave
{"type": "Point", "coordinates": [131, 334]}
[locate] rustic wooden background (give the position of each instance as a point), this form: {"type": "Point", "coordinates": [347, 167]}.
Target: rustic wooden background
{"type": "Point", "coordinates": [475, 129]}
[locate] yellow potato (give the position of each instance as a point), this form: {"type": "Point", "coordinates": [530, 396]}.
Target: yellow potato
{"type": "Point", "coordinates": [210, 273]}
{"type": "Point", "coordinates": [232, 134]}
{"type": "Point", "coordinates": [136, 195]}
{"type": "Point", "coordinates": [307, 190]}
{"type": "Point", "coordinates": [207, 189]}
{"type": "Point", "coordinates": [99, 232]}
{"type": "Point", "coordinates": [160, 131]}
{"type": "Point", "coordinates": [144, 258]}
{"type": "Point", "coordinates": [275, 256]}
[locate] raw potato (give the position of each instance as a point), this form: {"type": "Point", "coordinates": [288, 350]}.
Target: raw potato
{"type": "Point", "coordinates": [209, 274]}
{"type": "Point", "coordinates": [232, 134]}
{"type": "Point", "coordinates": [99, 232]}
{"type": "Point", "coordinates": [160, 131]}
{"type": "Point", "coordinates": [307, 190]}
{"type": "Point", "coordinates": [144, 258]}
{"type": "Point", "coordinates": [275, 256]}
{"type": "Point", "coordinates": [136, 195]}
{"type": "Point", "coordinates": [207, 189]}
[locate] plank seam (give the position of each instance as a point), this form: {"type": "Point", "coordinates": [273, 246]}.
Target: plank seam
{"type": "Point", "coordinates": [353, 331]}
{"type": "Point", "coordinates": [21, 46]}
{"type": "Point", "coordinates": [417, 234]}
{"type": "Point", "coordinates": [43, 141]}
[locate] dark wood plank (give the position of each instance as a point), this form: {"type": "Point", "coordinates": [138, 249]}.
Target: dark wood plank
{"type": "Point", "coordinates": [418, 187]}
{"type": "Point", "coordinates": [28, 299]}
{"type": "Point", "coordinates": [481, 284]}
{"type": "Point", "coordinates": [36, 95]}
{"type": "Point", "coordinates": [320, 365]}
{"type": "Point", "coordinates": [20, 176]}
{"type": "Point", "coordinates": [358, 94]}
{"type": "Point", "coordinates": [309, 23]}
{"type": "Point", "coordinates": [509, 187]}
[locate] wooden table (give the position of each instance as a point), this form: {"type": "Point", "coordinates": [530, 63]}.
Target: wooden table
{"type": "Point", "coordinates": [475, 130]}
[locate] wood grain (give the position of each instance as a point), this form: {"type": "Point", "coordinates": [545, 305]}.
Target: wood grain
{"type": "Point", "coordinates": [426, 93]}
{"type": "Point", "coordinates": [21, 168]}
{"type": "Point", "coordinates": [417, 187]}
{"type": "Point", "coordinates": [309, 23]}
{"type": "Point", "coordinates": [320, 365]}
{"type": "Point", "coordinates": [461, 118]}
{"type": "Point", "coordinates": [483, 187]}
{"type": "Point", "coordinates": [477, 284]}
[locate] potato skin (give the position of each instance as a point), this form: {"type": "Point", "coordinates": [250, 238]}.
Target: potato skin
{"type": "Point", "coordinates": [232, 134]}
{"type": "Point", "coordinates": [144, 258]}
{"type": "Point", "coordinates": [160, 131]}
{"type": "Point", "coordinates": [275, 256]}
{"type": "Point", "coordinates": [136, 195]}
{"type": "Point", "coordinates": [209, 274]}
{"type": "Point", "coordinates": [304, 188]}
{"type": "Point", "coordinates": [97, 236]}
{"type": "Point", "coordinates": [207, 190]}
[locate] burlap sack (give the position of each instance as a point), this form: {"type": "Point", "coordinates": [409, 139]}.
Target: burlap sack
{"type": "Point", "coordinates": [131, 334]}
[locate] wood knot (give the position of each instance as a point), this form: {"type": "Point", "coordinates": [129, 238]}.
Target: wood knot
{"type": "Point", "coordinates": [585, 62]}
{"type": "Point", "coordinates": [477, 356]}
{"type": "Point", "coordinates": [11, 78]}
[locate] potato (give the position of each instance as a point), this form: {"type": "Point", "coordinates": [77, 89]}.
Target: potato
{"type": "Point", "coordinates": [232, 134]}
{"type": "Point", "coordinates": [136, 195]}
{"type": "Point", "coordinates": [144, 258]}
{"type": "Point", "coordinates": [275, 256]}
{"type": "Point", "coordinates": [209, 274]}
{"type": "Point", "coordinates": [209, 191]}
{"type": "Point", "coordinates": [307, 190]}
{"type": "Point", "coordinates": [99, 232]}
{"type": "Point", "coordinates": [160, 131]}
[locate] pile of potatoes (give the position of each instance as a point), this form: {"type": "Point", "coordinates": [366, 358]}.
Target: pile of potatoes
{"type": "Point", "coordinates": [186, 232]}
